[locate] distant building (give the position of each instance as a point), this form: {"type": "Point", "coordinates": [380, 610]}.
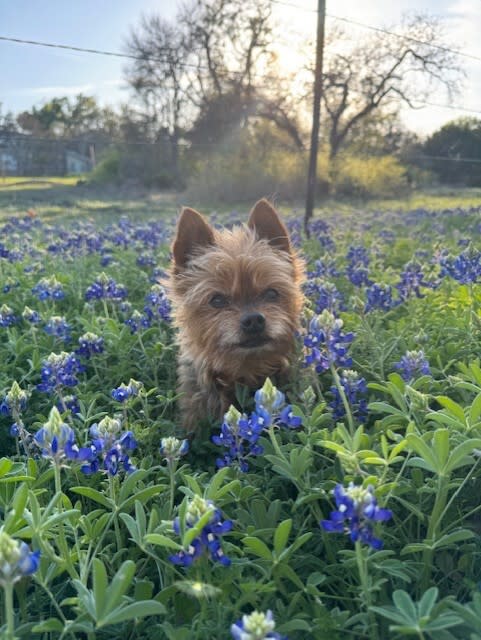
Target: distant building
{"type": "Point", "coordinates": [76, 163]}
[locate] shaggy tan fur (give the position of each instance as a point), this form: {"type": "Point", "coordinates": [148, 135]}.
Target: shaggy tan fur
{"type": "Point", "coordinates": [216, 278]}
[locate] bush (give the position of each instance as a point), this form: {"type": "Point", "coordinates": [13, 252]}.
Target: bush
{"type": "Point", "coordinates": [368, 177]}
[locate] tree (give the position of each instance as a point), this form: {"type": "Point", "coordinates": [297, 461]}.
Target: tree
{"type": "Point", "coordinates": [384, 71]}
{"type": "Point", "coordinates": [452, 147]}
{"type": "Point", "coordinates": [204, 75]}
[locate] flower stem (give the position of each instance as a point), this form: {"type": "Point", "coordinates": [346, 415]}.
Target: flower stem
{"type": "Point", "coordinates": [116, 520]}
{"type": "Point", "coordinates": [345, 401]}
{"type": "Point", "coordinates": [361, 559]}
{"type": "Point", "coordinates": [9, 611]}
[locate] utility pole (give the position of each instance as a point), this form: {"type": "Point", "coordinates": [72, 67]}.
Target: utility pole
{"type": "Point", "coordinates": [316, 113]}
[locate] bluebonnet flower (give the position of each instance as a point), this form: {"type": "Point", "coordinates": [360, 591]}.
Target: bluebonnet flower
{"type": "Point", "coordinates": [465, 268]}
{"type": "Point", "coordinates": [208, 540]}
{"type": "Point", "coordinates": [158, 306]}
{"type": "Point", "coordinates": [172, 449]}
{"type": "Point", "coordinates": [379, 296]}
{"type": "Point", "coordinates": [7, 316]}
{"type": "Point", "coordinates": [126, 391]}
{"type": "Point", "coordinates": [49, 288]}
{"type": "Point", "coordinates": [326, 344]}
{"type": "Point", "coordinates": [16, 559]}
{"type": "Point", "coordinates": [59, 370]}
{"type": "Point", "coordinates": [256, 626]}
{"type": "Point", "coordinates": [89, 343]}
{"type": "Point", "coordinates": [57, 440]}
{"type": "Point", "coordinates": [31, 316]}
{"type": "Point", "coordinates": [137, 321]}
{"type": "Point", "coordinates": [324, 295]}
{"type": "Point", "coordinates": [358, 266]}
{"type": "Point", "coordinates": [412, 279]}
{"type": "Point", "coordinates": [111, 447]}
{"type": "Point", "coordinates": [15, 401]}
{"type": "Point", "coordinates": [413, 364]}
{"type": "Point", "coordinates": [105, 288]}
{"type": "Point", "coordinates": [239, 435]}
{"type": "Point", "coordinates": [355, 388]}
{"type": "Point", "coordinates": [356, 513]}
{"type": "Point", "coordinates": [58, 327]}
{"type": "Point", "coordinates": [69, 403]}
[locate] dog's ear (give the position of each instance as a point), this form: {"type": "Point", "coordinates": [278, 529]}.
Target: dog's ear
{"type": "Point", "coordinates": [264, 220]}
{"type": "Point", "coordinates": [193, 233]}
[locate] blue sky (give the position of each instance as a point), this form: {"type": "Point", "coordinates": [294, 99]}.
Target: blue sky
{"type": "Point", "coordinates": [32, 75]}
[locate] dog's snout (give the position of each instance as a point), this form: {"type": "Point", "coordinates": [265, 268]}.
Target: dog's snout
{"type": "Point", "coordinates": [253, 323]}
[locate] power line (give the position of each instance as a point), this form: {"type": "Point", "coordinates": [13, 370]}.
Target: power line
{"type": "Point", "coordinates": [371, 27]}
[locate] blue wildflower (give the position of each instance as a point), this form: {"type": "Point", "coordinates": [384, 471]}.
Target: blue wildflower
{"type": "Point", "coordinates": [69, 403]}
{"type": "Point", "coordinates": [208, 540]}
{"type": "Point", "coordinates": [158, 306]}
{"type": "Point", "coordinates": [105, 288]}
{"type": "Point", "coordinates": [138, 321]}
{"type": "Point", "coordinates": [256, 626]}
{"type": "Point", "coordinates": [58, 327]}
{"type": "Point", "coordinates": [413, 364]}
{"type": "Point", "coordinates": [89, 344]}
{"type": "Point", "coordinates": [7, 316]}
{"type": "Point", "coordinates": [172, 449]}
{"type": "Point", "coordinates": [14, 402]}
{"type": "Point", "coordinates": [126, 391]}
{"type": "Point", "coordinates": [48, 288]}
{"type": "Point", "coordinates": [239, 435]}
{"type": "Point", "coordinates": [379, 296]}
{"type": "Point", "coordinates": [16, 559]}
{"type": "Point", "coordinates": [31, 316]}
{"type": "Point", "coordinates": [57, 440]}
{"type": "Point", "coordinates": [412, 279]}
{"type": "Point", "coordinates": [354, 388]}
{"type": "Point", "coordinates": [465, 268]}
{"type": "Point", "coordinates": [357, 268]}
{"type": "Point", "coordinates": [59, 370]}
{"type": "Point", "coordinates": [356, 512]}
{"type": "Point", "coordinates": [325, 343]}
{"type": "Point", "coordinates": [111, 447]}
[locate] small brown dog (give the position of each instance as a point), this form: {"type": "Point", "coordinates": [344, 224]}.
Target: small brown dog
{"type": "Point", "coordinates": [237, 304]}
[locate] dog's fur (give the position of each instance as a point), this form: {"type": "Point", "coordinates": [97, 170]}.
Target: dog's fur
{"type": "Point", "coordinates": [237, 303]}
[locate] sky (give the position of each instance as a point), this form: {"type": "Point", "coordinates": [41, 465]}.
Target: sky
{"type": "Point", "coordinates": [31, 75]}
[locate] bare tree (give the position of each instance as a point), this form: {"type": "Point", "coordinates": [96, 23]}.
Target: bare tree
{"type": "Point", "coordinates": [159, 76]}
{"type": "Point", "coordinates": [383, 71]}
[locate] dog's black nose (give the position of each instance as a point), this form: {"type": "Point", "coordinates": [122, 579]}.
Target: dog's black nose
{"type": "Point", "coordinates": [253, 323]}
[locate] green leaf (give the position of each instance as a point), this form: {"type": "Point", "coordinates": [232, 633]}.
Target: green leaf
{"type": "Point", "coordinates": [162, 541]}
{"type": "Point", "coordinates": [441, 446]}
{"type": "Point", "coordinates": [453, 407]}
{"type": "Point", "coordinates": [120, 584]}
{"type": "Point", "coordinates": [216, 483]}
{"type": "Point", "coordinates": [281, 536]}
{"type": "Point", "coordinates": [475, 410]}
{"type": "Point", "coordinates": [418, 444]}
{"type": "Point", "coordinates": [96, 496]}
{"type": "Point", "coordinates": [100, 584]}
{"type": "Point", "coordinates": [405, 605]}
{"type": "Point", "coordinates": [49, 625]}
{"type": "Point", "coordinates": [458, 457]}
{"type": "Point", "coordinates": [427, 602]}
{"type": "Point", "coordinates": [258, 547]}
{"type": "Point", "coordinates": [451, 538]}
{"type": "Point", "coordinates": [131, 611]}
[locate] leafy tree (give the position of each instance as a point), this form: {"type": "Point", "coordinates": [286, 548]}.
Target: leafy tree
{"type": "Point", "coordinates": [450, 149]}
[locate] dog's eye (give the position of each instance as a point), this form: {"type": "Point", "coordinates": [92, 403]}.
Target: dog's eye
{"type": "Point", "coordinates": [270, 295]}
{"type": "Point", "coordinates": [218, 301]}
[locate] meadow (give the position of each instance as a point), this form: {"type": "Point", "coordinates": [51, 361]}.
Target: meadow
{"type": "Point", "coordinates": [344, 506]}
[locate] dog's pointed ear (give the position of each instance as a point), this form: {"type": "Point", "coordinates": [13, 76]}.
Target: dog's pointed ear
{"type": "Point", "coordinates": [264, 220]}
{"type": "Point", "coordinates": [193, 233]}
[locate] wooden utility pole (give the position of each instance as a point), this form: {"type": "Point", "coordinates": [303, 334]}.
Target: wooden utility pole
{"type": "Point", "coordinates": [316, 113]}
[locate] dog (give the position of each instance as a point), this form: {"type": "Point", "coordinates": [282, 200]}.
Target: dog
{"type": "Point", "coordinates": [237, 303]}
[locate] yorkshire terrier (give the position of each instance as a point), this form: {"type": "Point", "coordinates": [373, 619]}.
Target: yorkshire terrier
{"type": "Point", "coordinates": [237, 304]}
